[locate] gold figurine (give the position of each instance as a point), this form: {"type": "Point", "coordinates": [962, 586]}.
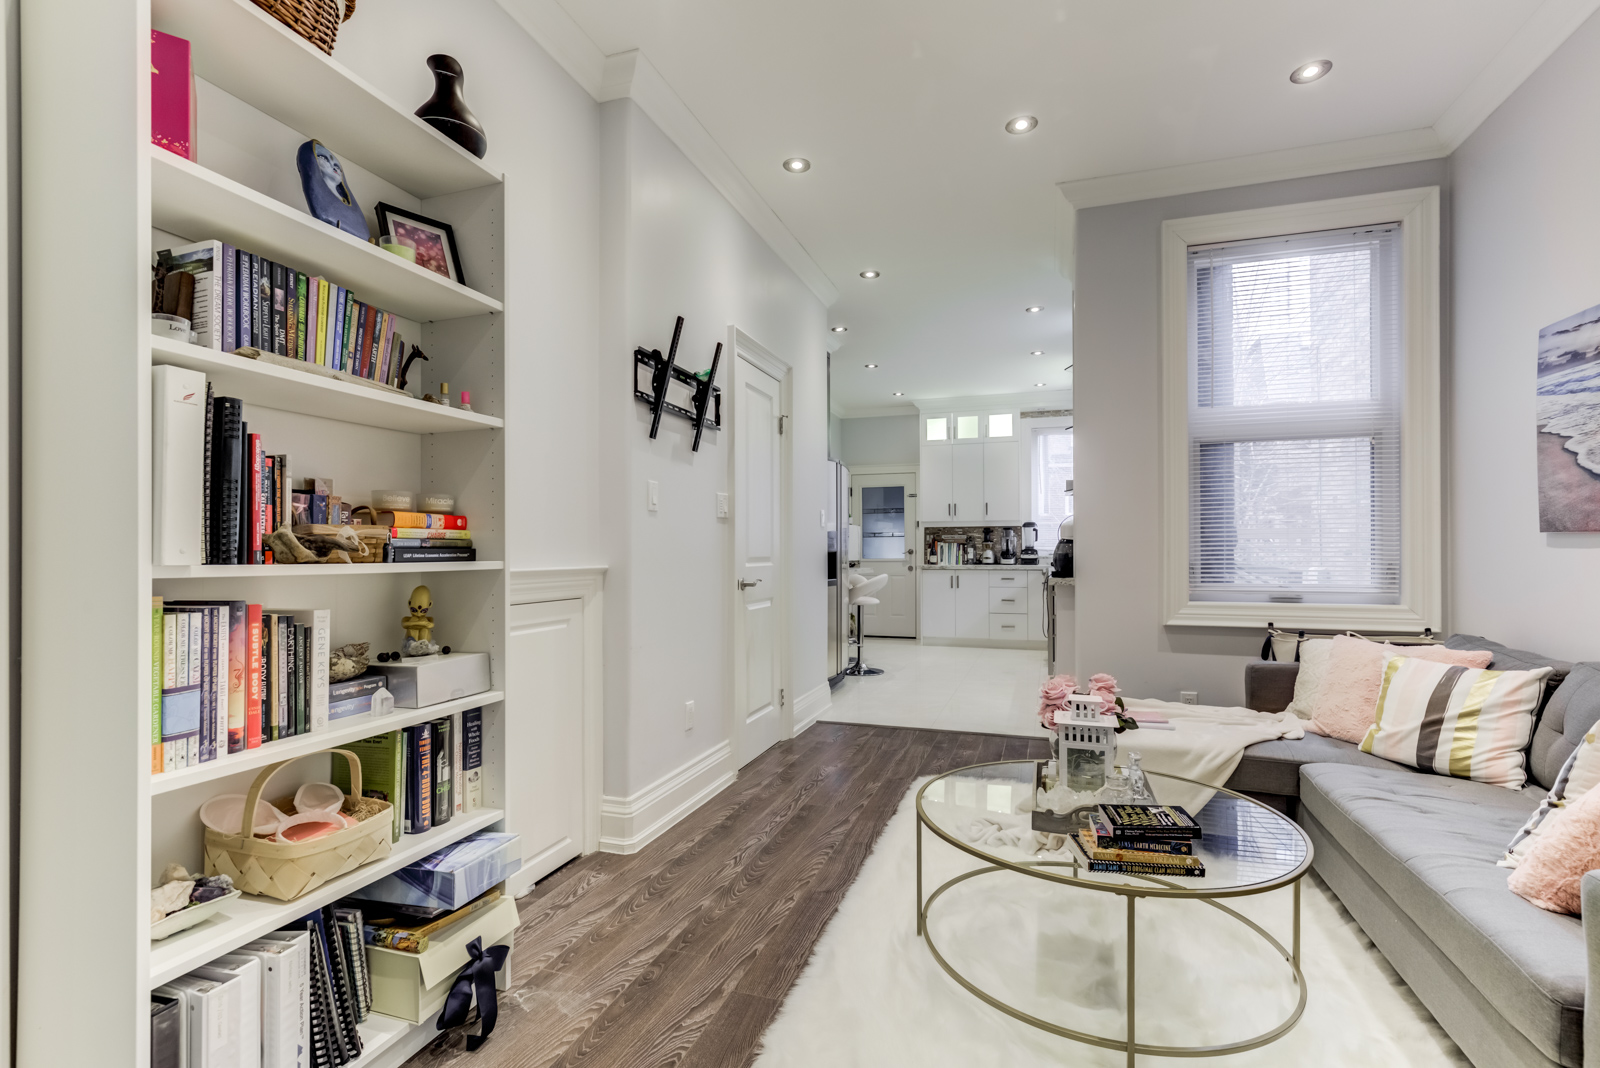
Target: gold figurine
{"type": "Point", "coordinates": [419, 625]}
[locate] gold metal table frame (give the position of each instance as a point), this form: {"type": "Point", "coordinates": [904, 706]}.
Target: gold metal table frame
{"type": "Point", "coordinates": [1157, 888]}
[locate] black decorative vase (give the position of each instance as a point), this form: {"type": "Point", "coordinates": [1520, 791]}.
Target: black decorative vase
{"type": "Point", "coordinates": [447, 111]}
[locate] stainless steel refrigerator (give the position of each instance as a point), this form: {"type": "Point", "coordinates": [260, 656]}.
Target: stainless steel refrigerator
{"type": "Point", "coordinates": [836, 519]}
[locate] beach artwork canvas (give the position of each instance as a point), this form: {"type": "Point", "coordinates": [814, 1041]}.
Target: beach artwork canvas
{"type": "Point", "coordinates": [1568, 404]}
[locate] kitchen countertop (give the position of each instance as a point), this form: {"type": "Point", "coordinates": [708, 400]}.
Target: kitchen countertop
{"type": "Point", "coordinates": [1040, 566]}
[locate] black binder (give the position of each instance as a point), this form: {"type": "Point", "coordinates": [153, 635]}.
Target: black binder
{"type": "Point", "coordinates": [226, 459]}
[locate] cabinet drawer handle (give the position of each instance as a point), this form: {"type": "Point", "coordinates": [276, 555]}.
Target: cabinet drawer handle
{"type": "Point", "coordinates": [1008, 600]}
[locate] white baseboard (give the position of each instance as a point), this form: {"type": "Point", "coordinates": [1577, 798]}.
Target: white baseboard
{"type": "Point", "coordinates": [811, 705]}
{"type": "Point", "coordinates": [628, 824]}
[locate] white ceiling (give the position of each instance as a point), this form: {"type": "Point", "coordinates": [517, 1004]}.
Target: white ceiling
{"type": "Point", "coordinates": [900, 108]}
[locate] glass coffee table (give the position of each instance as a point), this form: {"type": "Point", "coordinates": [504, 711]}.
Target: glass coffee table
{"type": "Point", "coordinates": [1247, 848]}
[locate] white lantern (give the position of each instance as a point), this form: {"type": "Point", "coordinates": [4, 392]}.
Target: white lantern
{"type": "Point", "coordinates": [1088, 742]}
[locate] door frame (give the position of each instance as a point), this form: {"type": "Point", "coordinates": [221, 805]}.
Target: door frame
{"type": "Point", "coordinates": [742, 346]}
{"type": "Point", "coordinates": [915, 471]}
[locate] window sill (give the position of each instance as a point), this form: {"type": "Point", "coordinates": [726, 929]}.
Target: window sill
{"type": "Point", "coordinates": [1388, 618]}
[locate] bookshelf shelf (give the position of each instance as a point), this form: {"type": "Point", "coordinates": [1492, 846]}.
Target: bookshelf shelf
{"type": "Point", "coordinates": [245, 52]}
{"type": "Point", "coordinates": [242, 571]}
{"type": "Point", "coordinates": [299, 391]}
{"type": "Point", "coordinates": [200, 205]}
{"type": "Point", "coordinates": [379, 1033]}
{"type": "Point", "coordinates": [340, 732]}
{"type": "Point", "coordinates": [250, 917]}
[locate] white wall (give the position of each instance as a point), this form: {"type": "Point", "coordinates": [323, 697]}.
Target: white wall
{"type": "Point", "coordinates": [1116, 468]}
{"type": "Point", "coordinates": [543, 134]}
{"type": "Point", "coordinates": [880, 439]}
{"type": "Point", "coordinates": [1527, 223]}
{"type": "Point", "coordinates": [673, 246]}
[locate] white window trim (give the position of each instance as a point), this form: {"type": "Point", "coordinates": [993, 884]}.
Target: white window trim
{"type": "Point", "coordinates": [1421, 548]}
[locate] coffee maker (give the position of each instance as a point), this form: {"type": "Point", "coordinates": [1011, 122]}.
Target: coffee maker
{"type": "Point", "coordinates": [1029, 556]}
{"type": "Point", "coordinates": [1008, 546]}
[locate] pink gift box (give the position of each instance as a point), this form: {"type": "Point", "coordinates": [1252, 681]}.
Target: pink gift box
{"type": "Point", "coordinates": [172, 110]}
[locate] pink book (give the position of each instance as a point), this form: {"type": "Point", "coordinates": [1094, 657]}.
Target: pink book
{"type": "Point", "coordinates": [172, 110]}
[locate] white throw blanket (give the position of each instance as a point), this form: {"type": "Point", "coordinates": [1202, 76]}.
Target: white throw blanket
{"type": "Point", "coordinates": [1205, 746]}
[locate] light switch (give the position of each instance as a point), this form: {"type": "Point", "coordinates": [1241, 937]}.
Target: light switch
{"type": "Point", "coordinates": [652, 495]}
{"type": "Point", "coordinates": [722, 506]}
{"type": "Point", "coordinates": [822, 518]}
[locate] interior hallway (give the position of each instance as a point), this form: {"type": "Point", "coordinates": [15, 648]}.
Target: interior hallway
{"type": "Point", "coordinates": [944, 687]}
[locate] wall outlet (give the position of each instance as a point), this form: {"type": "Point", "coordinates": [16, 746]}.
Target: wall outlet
{"type": "Point", "coordinates": [652, 495]}
{"type": "Point", "coordinates": [688, 715]}
{"type": "Point", "coordinates": [722, 508]}
{"type": "Point", "coordinates": [1189, 697]}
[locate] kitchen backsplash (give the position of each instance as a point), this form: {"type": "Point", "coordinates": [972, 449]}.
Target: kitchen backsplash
{"type": "Point", "coordinates": [970, 535]}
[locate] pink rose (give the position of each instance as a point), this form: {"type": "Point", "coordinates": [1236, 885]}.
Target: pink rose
{"type": "Point", "coordinates": [1056, 690]}
{"type": "Point", "coordinates": [1047, 716]}
{"type": "Point", "coordinates": [1103, 685]}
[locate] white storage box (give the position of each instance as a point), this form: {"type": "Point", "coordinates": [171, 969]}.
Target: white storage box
{"type": "Point", "coordinates": [418, 681]}
{"type": "Point", "coordinates": [413, 986]}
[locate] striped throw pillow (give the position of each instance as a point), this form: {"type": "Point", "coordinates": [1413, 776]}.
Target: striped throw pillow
{"type": "Point", "coordinates": [1467, 722]}
{"type": "Point", "coordinates": [1578, 776]}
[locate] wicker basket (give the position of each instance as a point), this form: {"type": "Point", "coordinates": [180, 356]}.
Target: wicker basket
{"type": "Point", "coordinates": [286, 870]}
{"type": "Point", "coordinates": [315, 20]}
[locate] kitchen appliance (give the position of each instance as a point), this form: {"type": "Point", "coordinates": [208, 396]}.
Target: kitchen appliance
{"type": "Point", "coordinates": [1008, 546]}
{"type": "Point", "coordinates": [836, 520]}
{"type": "Point", "coordinates": [1029, 555]}
{"type": "Point", "coordinates": [1061, 561]}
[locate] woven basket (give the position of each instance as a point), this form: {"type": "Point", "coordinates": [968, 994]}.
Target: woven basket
{"type": "Point", "coordinates": [315, 20]}
{"type": "Point", "coordinates": [286, 870]}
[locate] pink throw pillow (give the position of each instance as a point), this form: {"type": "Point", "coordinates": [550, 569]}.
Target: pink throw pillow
{"type": "Point", "coordinates": [1549, 876]}
{"type": "Point", "coordinates": [1349, 699]}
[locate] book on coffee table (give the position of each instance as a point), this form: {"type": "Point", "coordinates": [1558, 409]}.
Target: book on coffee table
{"type": "Point", "coordinates": [1104, 839]}
{"type": "Point", "coordinates": [1149, 822]}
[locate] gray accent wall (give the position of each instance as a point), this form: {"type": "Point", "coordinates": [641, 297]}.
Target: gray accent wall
{"type": "Point", "coordinates": [882, 439]}
{"type": "Point", "coordinates": [1527, 224]}
{"type": "Point", "coordinates": [1117, 404]}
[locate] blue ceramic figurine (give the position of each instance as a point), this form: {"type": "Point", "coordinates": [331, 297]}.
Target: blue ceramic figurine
{"type": "Point", "coordinates": [328, 195]}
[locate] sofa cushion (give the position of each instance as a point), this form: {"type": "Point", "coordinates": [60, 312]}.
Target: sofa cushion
{"type": "Point", "coordinates": [1431, 843]}
{"type": "Point", "coordinates": [1273, 767]}
{"type": "Point", "coordinates": [1570, 714]}
{"type": "Point", "coordinates": [1509, 659]}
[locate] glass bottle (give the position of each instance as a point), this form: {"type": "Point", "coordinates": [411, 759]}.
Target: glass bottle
{"type": "Point", "coordinates": [1138, 785]}
{"type": "Point", "coordinates": [1086, 768]}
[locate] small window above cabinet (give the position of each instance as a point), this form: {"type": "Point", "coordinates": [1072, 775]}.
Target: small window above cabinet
{"type": "Point", "coordinates": [1002, 425]}
{"type": "Point", "coordinates": [937, 428]}
{"type": "Point", "coordinates": [967, 427]}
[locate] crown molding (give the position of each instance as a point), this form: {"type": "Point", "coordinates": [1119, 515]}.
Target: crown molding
{"type": "Point", "coordinates": [1529, 47]}
{"type": "Point", "coordinates": [1044, 398]}
{"type": "Point", "coordinates": [1381, 150]}
{"type": "Point", "coordinates": [555, 31]}
{"type": "Point", "coordinates": [871, 412]}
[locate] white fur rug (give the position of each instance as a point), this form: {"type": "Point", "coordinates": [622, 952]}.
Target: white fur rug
{"type": "Point", "coordinates": [872, 995]}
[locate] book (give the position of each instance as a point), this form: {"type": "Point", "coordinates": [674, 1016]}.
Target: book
{"type": "Point", "coordinates": [302, 291]}
{"type": "Point", "coordinates": [319, 624]}
{"type": "Point", "coordinates": [325, 301]}
{"type": "Point", "coordinates": [177, 461]}
{"type": "Point", "coordinates": [1150, 868]}
{"type": "Point", "coordinates": [336, 312]}
{"type": "Point", "coordinates": [1104, 839]}
{"type": "Point", "coordinates": [205, 477]}
{"type": "Point", "coordinates": [302, 678]}
{"type": "Point", "coordinates": [172, 97]}
{"type": "Point", "coordinates": [246, 971]}
{"type": "Point", "coordinates": [180, 698]}
{"type": "Point", "coordinates": [258, 482]}
{"type": "Point", "coordinates": [427, 554]}
{"type": "Point", "coordinates": [443, 781]}
{"type": "Point", "coordinates": [1148, 720]}
{"type": "Point", "coordinates": [472, 759]}
{"type": "Point", "coordinates": [419, 778]}
{"type": "Point", "coordinates": [352, 942]}
{"type": "Point", "coordinates": [166, 1032]}
{"type": "Point", "coordinates": [1148, 821]}
{"type": "Point", "coordinates": [213, 1012]}
{"type": "Point", "coordinates": [202, 623]}
{"type": "Point", "coordinates": [268, 312]}
{"type": "Point", "coordinates": [314, 300]}
{"type": "Point", "coordinates": [283, 1002]}
{"type": "Point", "coordinates": [253, 706]}
{"type": "Point", "coordinates": [418, 543]}
{"type": "Point", "coordinates": [458, 790]}
{"type": "Point", "coordinates": [291, 309]}
{"type": "Point", "coordinates": [227, 448]}
{"type": "Point", "coordinates": [258, 312]}
{"type": "Point", "coordinates": [1094, 851]}
{"type": "Point", "coordinates": [431, 534]}
{"type": "Point", "coordinates": [382, 762]}
{"type": "Point", "coordinates": [297, 983]}
{"type": "Point", "coordinates": [202, 260]}
{"type": "Point", "coordinates": [385, 343]}
{"type": "Point", "coordinates": [230, 298]}
{"type": "Point", "coordinates": [280, 309]}
{"type": "Point", "coordinates": [157, 614]}
{"type": "Point", "coordinates": [422, 521]}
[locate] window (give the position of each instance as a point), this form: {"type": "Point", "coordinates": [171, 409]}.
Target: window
{"type": "Point", "coordinates": [966, 427]}
{"type": "Point", "coordinates": [938, 428]}
{"type": "Point", "coordinates": [1052, 479]}
{"type": "Point", "coordinates": [1000, 425]}
{"type": "Point", "coordinates": [1302, 479]}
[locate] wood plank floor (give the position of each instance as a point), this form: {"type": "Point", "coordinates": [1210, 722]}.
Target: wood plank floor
{"type": "Point", "coordinates": [681, 953]}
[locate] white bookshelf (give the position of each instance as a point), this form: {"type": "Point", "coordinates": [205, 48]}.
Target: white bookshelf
{"type": "Point", "coordinates": [89, 168]}
{"type": "Point", "coordinates": [288, 389]}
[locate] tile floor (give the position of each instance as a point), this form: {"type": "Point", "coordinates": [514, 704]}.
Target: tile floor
{"type": "Point", "coordinates": [944, 687]}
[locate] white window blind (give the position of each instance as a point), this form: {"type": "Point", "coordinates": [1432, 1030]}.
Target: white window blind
{"type": "Point", "coordinates": [1295, 380]}
{"type": "Point", "coordinates": [1052, 471]}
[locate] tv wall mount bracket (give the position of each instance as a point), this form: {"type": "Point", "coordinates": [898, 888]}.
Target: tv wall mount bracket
{"type": "Point", "coordinates": [705, 398]}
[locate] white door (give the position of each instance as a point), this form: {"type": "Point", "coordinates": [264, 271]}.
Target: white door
{"type": "Point", "coordinates": [938, 605]}
{"type": "Point", "coordinates": [886, 507]}
{"type": "Point", "coordinates": [934, 478]}
{"type": "Point", "coordinates": [972, 604]}
{"type": "Point", "coordinates": [545, 794]}
{"type": "Point", "coordinates": [757, 557]}
{"type": "Point", "coordinates": [966, 478]}
{"type": "Point", "coordinates": [1002, 481]}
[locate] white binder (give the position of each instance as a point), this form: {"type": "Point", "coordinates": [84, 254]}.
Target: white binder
{"type": "Point", "coordinates": [177, 460]}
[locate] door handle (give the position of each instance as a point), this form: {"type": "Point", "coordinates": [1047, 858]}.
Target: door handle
{"type": "Point", "coordinates": [910, 568]}
{"type": "Point", "coordinates": [745, 584]}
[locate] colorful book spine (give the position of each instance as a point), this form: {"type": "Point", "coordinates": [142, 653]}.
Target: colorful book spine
{"type": "Point", "coordinates": [302, 291]}
{"type": "Point", "coordinates": [280, 309]}
{"type": "Point", "coordinates": [471, 769]}
{"type": "Point", "coordinates": [423, 520]}
{"type": "Point", "coordinates": [291, 297]}
{"type": "Point", "coordinates": [384, 344]}
{"type": "Point", "coordinates": [254, 697]}
{"type": "Point", "coordinates": [156, 613]}
{"type": "Point", "coordinates": [230, 298]}
{"type": "Point", "coordinates": [430, 533]}
{"type": "Point", "coordinates": [336, 341]}
{"type": "Point", "coordinates": [258, 309]}
{"type": "Point", "coordinates": [323, 295]}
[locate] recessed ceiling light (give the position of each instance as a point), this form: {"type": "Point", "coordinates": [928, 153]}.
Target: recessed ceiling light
{"type": "Point", "coordinates": [1310, 72]}
{"type": "Point", "coordinates": [838, 329]}
{"type": "Point", "coordinates": [1033, 310]}
{"type": "Point", "coordinates": [899, 394]}
{"type": "Point", "coordinates": [869, 274]}
{"type": "Point", "coordinates": [870, 366]}
{"type": "Point", "coordinates": [1037, 352]}
{"type": "Point", "coordinates": [1021, 124]}
{"type": "Point", "coordinates": [796, 165]}
{"type": "Point", "coordinates": [1040, 383]}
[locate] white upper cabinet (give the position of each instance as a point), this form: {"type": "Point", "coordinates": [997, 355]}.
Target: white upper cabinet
{"type": "Point", "coordinates": [935, 499]}
{"type": "Point", "coordinates": [971, 468]}
{"type": "Point", "coordinates": [1002, 480]}
{"type": "Point", "coordinates": [967, 481]}
{"type": "Point", "coordinates": [936, 430]}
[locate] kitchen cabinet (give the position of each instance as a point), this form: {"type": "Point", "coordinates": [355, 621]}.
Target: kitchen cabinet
{"type": "Point", "coordinates": [983, 605]}
{"type": "Point", "coordinates": [1002, 481]}
{"type": "Point", "coordinates": [938, 606]}
{"type": "Point", "coordinates": [971, 483]}
{"type": "Point", "coordinates": [967, 482]}
{"type": "Point", "coordinates": [972, 604]}
{"type": "Point", "coordinates": [934, 484]}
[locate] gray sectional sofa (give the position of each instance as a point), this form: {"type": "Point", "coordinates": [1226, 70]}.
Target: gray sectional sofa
{"type": "Point", "coordinates": [1412, 856]}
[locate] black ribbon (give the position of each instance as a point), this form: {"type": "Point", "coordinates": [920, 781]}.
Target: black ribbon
{"type": "Point", "coordinates": [477, 975]}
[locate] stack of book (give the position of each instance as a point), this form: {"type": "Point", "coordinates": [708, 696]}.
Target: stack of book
{"type": "Point", "coordinates": [245, 491]}
{"type": "Point", "coordinates": [291, 999]}
{"type": "Point", "coordinates": [228, 676]}
{"type": "Point", "coordinates": [429, 773]}
{"type": "Point", "coordinates": [1142, 840]}
{"type": "Point", "coordinates": [426, 537]}
{"type": "Point", "coordinates": [242, 300]}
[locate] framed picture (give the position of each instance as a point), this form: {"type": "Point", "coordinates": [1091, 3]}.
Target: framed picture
{"type": "Point", "coordinates": [434, 241]}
